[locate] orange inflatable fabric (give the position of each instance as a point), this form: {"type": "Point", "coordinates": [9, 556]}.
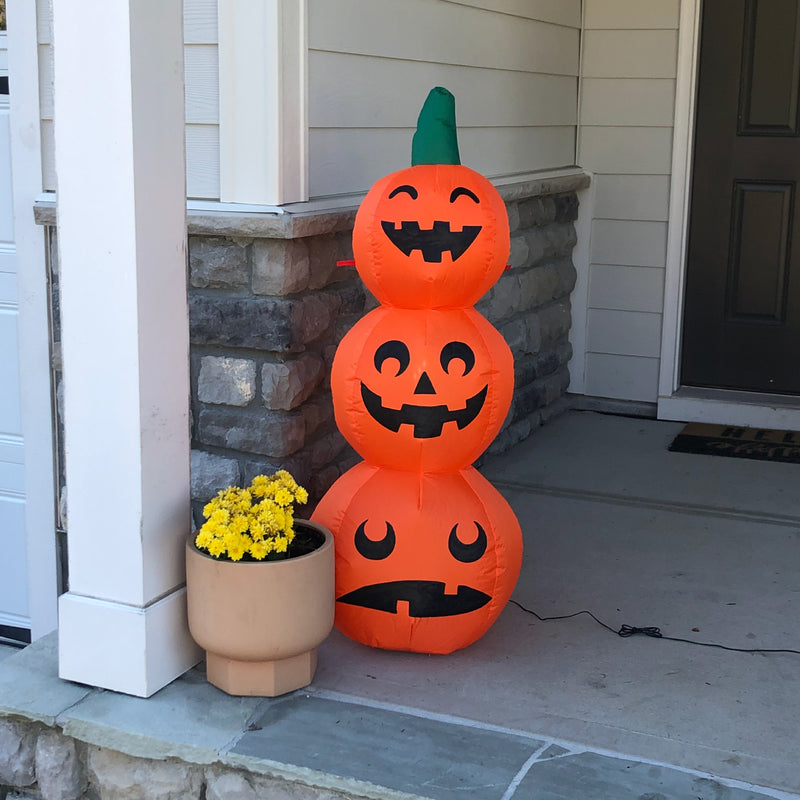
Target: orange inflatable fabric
{"type": "Point", "coordinates": [424, 562]}
{"type": "Point", "coordinates": [422, 390]}
{"type": "Point", "coordinates": [432, 235]}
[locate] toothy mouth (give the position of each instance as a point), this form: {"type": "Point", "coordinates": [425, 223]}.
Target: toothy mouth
{"type": "Point", "coordinates": [425, 598]}
{"type": "Point", "coordinates": [428, 421]}
{"type": "Point", "coordinates": [433, 242]}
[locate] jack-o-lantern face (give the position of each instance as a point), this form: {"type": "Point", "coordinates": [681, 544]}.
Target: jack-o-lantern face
{"type": "Point", "coordinates": [422, 391]}
{"type": "Point", "coordinates": [431, 236]}
{"type": "Point", "coordinates": [423, 562]}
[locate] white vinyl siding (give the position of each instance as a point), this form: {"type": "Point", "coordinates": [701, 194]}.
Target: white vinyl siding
{"type": "Point", "coordinates": [629, 64]}
{"type": "Point", "coordinates": [201, 69]}
{"type": "Point", "coordinates": [44, 34]}
{"type": "Point", "coordinates": [202, 97]}
{"type": "Point", "coordinates": [511, 64]}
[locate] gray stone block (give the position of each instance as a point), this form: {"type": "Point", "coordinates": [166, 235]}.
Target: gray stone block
{"type": "Point", "coordinates": [520, 252]}
{"type": "Point", "coordinates": [115, 776]}
{"type": "Point", "coordinates": [285, 385]}
{"type": "Point", "coordinates": [555, 321]}
{"type": "Point", "coordinates": [326, 448]}
{"type": "Point", "coordinates": [538, 286]}
{"type": "Point", "coordinates": [210, 473]}
{"type": "Point", "coordinates": [257, 323]}
{"type": "Point", "coordinates": [537, 211]}
{"type": "Point", "coordinates": [17, 753]}
{"type": "Point", "coordinates": [226, 381]}
{"type": "Point", "coordinates": [280, 266]}
{"type": "Point", "coordinates": [217, 263]}
{"type": "Point", "coordinates": [323, 254]}
{"type": "Point", "coordinates": [60, 770]}
{"type": "Point", "coordinates": [313, 315]}
{"type": "Point", "coordinates": [271, 433]}
{"type": "Point", "coordinates": [512, 209]}
{"type": "Point", "coordinates": [566, 207]}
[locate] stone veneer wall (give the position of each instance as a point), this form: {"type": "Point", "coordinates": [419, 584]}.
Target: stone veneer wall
{"type": "Point", "coordinates": [268, 306]}
{"type": "Point", "coordinates": [39, 762]}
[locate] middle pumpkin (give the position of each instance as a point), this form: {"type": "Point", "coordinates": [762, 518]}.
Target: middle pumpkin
{"type": "Point", "coordinates": [422, 391]}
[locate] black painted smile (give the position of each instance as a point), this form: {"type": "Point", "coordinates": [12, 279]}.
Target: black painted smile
{"type": "Point", "coordinates": [425, 598]}
{"type": "Point", "coordinates": [427, 420]}
{"type": "Point", "coordinates": [433, 242]}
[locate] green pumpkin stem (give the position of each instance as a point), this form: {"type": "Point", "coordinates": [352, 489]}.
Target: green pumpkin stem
{"type": "Point", "coordinates": [436, 139]}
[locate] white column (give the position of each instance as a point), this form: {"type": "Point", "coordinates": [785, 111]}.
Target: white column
{"type": "Point", "coordinates": [121, 220]}
{"type": "Point", "coordinates": [263, 131]}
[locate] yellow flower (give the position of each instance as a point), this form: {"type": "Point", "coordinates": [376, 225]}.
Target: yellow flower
{"type": "Point", "coordinates": [216, 548]}
{"type": "Point", "coordinates": [252, 522]}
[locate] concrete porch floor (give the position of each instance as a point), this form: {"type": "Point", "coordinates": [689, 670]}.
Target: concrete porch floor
{"type": "Point", "coordinates": [706, 548]}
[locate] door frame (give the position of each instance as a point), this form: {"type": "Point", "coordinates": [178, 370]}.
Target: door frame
{"type": "Point", "coordinates": [676, 402]}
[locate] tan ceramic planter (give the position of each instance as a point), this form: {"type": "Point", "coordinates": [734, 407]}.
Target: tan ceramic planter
{"type": "Point", "coordinates": [260, 623]}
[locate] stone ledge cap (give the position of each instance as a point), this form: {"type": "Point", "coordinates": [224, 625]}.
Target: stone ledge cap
{"type": "Point", "coordinates": [328, 215]}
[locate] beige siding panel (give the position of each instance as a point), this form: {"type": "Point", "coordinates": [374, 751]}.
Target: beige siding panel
{"type": "Point", "coordinates": [349, 91]}
{"type": "Point", "coordinates": [630, 54]}
{"type": "Point", "coordinates": [202, 162]}
{"type": "Point", "coordinates": [641, 197]}
{"type": "Point", "coordinates": [201, 65]}
{"type": "Point", "coordinates": [642, 14]}
{"type": "Point", "coordinates": [346, 161]}
{"type": "Point", "coordinates": [626, 288]}
{"type": "Point", "coordinates": [629, 243]}
{"type": "Point", "coordinates": [560, 12]}
{"type": "Point", "coordinates": [48, 156]}
{"type": "Point", "coordinates": [622, 377]}
{"type": "Point", "coordinates": [626, 151]}
{"type": "Point", "coordinates": [625, 333]}
{"type": "Point", "coordinates": [627, 101]}
{"type": "Point", "coordinates": [45, 53]}
{"type": "Point", "coordinates": [200, 22]}
{"type": "Point", "coordinates": [421, 30]}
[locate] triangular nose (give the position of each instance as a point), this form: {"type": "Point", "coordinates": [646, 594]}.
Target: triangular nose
{"type": "Point", "coordinates": [424, 385]}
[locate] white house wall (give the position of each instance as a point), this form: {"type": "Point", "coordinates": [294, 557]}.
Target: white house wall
{"type": "Point", "coordinates": [511, 64]}
{"type": "Point", "coordinates": [627, 96]}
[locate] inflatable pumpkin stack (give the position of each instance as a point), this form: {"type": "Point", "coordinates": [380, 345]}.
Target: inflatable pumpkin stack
{"type": "Point", "coordinates": [427, 550]}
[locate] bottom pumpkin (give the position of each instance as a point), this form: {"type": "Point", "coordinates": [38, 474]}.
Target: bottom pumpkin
{"type": "Point", "coordinates": [424, 561]}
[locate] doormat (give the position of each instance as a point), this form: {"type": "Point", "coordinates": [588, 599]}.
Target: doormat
{"type": "Point", "coordinates": [730, 440]}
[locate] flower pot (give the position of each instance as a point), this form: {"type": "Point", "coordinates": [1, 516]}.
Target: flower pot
{"type": "Point", "coordinates": [261, 622]}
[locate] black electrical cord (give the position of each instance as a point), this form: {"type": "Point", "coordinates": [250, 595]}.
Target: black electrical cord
{"type": "Point", "coordinates": [628, 630]}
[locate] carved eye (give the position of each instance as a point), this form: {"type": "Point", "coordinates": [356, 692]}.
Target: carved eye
{"type": "Point", "coordinates": [461, 190]}
{"type": "Point", "coordinates": [459, 350]}
{"type": "Point", "coordinates": [409, 190]}
{"type": "Point", "coordinates": [467, 553]}
{"type": "Point", "coordinates": [376, 549]}
{"type": "Point", "coordinates": [392, 349]}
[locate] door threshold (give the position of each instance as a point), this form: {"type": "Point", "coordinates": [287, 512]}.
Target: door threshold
{"type": "Point", "coordinates": [731, 407]}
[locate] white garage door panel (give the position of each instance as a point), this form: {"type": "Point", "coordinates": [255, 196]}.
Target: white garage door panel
{"type": "Point", "coordinates": [10, 422]}
{"type": "Point", "coordinates": [13, 597]}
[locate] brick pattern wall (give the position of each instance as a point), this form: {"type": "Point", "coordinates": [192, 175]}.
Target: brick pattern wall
{"type": "Point", "coordinates": [266, 315]}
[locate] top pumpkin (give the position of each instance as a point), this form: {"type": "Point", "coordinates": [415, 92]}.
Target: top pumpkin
{"type": "Point", "coordinates": [435, 234]}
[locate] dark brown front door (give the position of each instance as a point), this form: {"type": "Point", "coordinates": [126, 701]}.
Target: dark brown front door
{"type": "Point", "coordinates": [742, 303]}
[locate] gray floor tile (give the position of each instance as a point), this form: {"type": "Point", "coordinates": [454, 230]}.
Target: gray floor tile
{"type": "Point", "coordinates": [395, 750]}
{"type": "Point", "coordinates": [589, 776]}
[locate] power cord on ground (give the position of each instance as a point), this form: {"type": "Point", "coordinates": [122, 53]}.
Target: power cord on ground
{"type": "Point", "coordinates": [626, 631]}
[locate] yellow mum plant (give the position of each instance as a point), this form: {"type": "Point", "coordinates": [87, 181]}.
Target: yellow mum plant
{"type": "Point", "coordinates": [255, 523]}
